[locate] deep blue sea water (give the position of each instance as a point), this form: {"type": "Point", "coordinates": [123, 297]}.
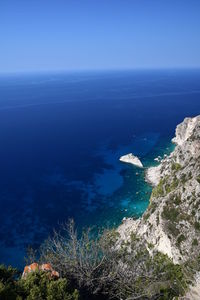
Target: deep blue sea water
{"type": "Point", "coordinates": [61, 136]}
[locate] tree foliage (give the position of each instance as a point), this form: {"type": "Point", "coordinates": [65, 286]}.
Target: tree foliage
{"type": "Point", "coordinates": [37, 286]}
{"type": "Point", "coordinates": [99, 267]}
{"type": "Point", "coordinates": [105, 266]}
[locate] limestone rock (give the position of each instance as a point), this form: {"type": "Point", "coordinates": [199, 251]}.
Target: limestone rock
{"type": "Point", "coordinates": [131, 159]}
{"type": "Point", "coordinates": [171, 223]}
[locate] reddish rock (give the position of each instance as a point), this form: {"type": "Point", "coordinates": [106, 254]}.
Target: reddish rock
{"type": "Point", "coordinates": [44, 267]}
{"type": "Point", "coordinates": [55, 274]}
{"type": "Point", "coordinates": [31, 268]}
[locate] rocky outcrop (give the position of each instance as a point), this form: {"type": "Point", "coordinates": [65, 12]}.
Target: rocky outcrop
{"type": "Point", "coordinates": [185, 130]}
{"type": "Point", "coordinates": [131, 159]}
{"type": "Point", "coordinates": [171, 224]}
{"type": "Point", "coordinates": [34, 267]}
{"type": "Point", "coordinates": [153, 175]}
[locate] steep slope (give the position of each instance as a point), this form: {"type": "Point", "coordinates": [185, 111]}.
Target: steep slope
{"type": "Point", "coordinates": [171, 223]}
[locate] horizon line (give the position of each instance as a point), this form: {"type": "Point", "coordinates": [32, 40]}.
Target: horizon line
{"type": "Point", "coordinates": [82, 70]}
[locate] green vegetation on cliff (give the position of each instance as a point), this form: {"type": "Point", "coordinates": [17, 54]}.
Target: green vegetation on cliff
{"type": "Point", "coordinates": [98, 269]}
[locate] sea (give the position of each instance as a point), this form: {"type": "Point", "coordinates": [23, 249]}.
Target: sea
{"type": "Point", "coordinates": [61, 137]}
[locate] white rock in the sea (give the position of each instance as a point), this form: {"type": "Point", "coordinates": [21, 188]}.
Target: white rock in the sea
{"type": "Point", "coordinates": [131, 159]}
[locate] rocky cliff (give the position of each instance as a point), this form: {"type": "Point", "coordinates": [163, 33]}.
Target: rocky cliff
{"type": "Point", "coordinates": [171, 223]}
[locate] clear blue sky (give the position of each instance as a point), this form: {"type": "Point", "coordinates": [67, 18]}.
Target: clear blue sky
{"type": "Point", "coordinates": [40, 35]}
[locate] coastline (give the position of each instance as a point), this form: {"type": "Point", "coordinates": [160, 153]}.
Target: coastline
{"type": "Point", "coordinates": [170, 222]}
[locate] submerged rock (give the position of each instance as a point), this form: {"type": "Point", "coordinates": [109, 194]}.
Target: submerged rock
{"type": "Point", "coordinates": [131, 159]}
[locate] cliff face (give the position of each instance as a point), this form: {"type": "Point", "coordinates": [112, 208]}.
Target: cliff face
{"type": "Point", "coordinates": [171, 223]}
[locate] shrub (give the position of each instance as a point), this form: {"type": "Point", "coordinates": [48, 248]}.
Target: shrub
{"type": "Point", "coordinates": [195, 242]}
{"type": "Point", "coordinates": [123, 272]}
{"type": "Point", "coordinates": [8, 285]}
{"type": "Point", "coordinates": [183, 178]}
{"type": "Point", "coordinates": [174, 183]}
{"type": "Point", "coordinates": [177, 199]}
{"type": "Point", "coordinates": [101, 267]}
{"type": "Point", "coordinates": [158, 191]}
{"type": "Point", "coordinates": [152, 207]}
{"type": "Point", "coordinates": [180, 239]}
{"type": "Point", "coordinates": [198, 179]}
{"type": "Point", "coordinates": [170, 213]}
{"type": "Point", "coordinates": [146, 216]}
{"type": "Point", "coordinates": [171, 227]}
{"type": "Point", "coordinates": [37, 286]}
{"type": "Point", "coordinates": [157, 219]}
{"type": "Point", "coordinates": [197, 226]}
{"type": "Point", "coordinates": [176, 166]}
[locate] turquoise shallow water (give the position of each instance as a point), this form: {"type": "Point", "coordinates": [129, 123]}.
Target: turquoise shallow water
{"type": "Point", "coordinates": [123, 189]}
{"type": "Point", "coordinates": [61, 138]}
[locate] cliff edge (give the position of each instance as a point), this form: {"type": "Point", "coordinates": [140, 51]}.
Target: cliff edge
{"type": "Point", "coordinates": [171, 224]}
